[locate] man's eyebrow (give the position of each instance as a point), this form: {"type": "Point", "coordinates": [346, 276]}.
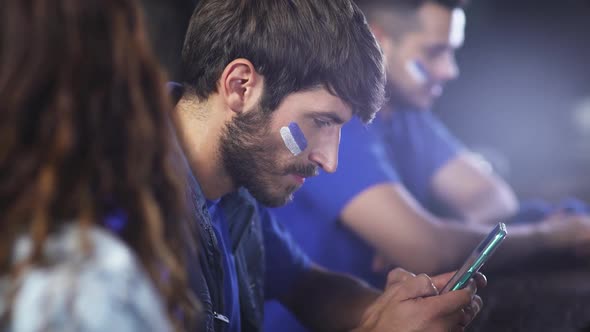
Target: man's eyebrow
{"type": "Point", "coordinates": [333, 116]}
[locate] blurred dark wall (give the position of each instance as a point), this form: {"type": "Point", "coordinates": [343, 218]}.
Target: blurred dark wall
{"type": "Point", "coordinates": [167, 21]}
{"type": "Point", "coordinates": [525, 77]}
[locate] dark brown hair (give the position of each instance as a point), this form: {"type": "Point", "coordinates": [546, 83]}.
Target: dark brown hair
{"type": "Point", "coordinates": [295, 44]}
{"type": "Point", "coordinates": [84, 132]}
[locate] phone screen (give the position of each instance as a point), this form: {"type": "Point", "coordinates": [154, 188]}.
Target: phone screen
{"type": "Point", "coordinates": [477, 258]}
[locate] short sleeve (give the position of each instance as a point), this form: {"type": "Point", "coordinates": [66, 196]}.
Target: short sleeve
{"type": "Point", "coordinates": [285, 261]}
{"type": "Point", "coordinates": [444, 146]}
{"type": "Point", "coordinates": [418, 144]}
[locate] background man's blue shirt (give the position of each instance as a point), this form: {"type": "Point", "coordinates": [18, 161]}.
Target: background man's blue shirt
{"type": "Point", "coordinates": [417, 145]}
{"type": "Point", "coordinates": [408, 148]}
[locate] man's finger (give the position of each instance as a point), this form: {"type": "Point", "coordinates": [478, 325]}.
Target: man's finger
{"type": "Point", "coordinates": [456, 300]}
{"type": "Point", "coordinates": [441, 280]}
{"type": "Point", "coordinates": [397, 286]}
{"type": "Point", "coordinates": [398, 275]}
{"type": "Point", "coordinates": [478, 303]}
{"type": "Point", "coordinates": [472, 310]}
{"type": "Point", "coordinates": [395, 282]}
{"type": "Point", "coordinates": [417, 287]}
{"type": "Point", "coordinates": [480, 280]}
{"type": "Point", "coordinates": [456, 321]}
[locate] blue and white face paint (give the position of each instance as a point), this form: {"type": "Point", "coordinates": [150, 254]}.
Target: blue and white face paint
{"type": "Point", "coordinates": [457, 33]}
{"type": "Point", "coordinates": [293, 138]}
{"type": "Point", "coordinates": [417, 71]}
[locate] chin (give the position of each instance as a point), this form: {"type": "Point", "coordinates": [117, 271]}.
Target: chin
{"type": "Point", "coordinates": [288, 198]}
{"type": "Point", "coordinates": [274, 201]}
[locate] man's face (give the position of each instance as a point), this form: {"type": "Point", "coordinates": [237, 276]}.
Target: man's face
{"type": "Point", "coordinates": [422, 60]}
{"type": "Point", "coordinates": [256, 157]}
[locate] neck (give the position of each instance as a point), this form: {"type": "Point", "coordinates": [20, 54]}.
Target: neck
{"type": "Point", "coordinates": [198, 130]}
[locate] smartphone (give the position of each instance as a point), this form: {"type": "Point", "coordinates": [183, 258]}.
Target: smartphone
{"type": "Point", "coordinates": [477, 258]}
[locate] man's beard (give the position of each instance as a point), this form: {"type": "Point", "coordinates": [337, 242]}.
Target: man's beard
{"type": "Point", "coordinates": [250, 157]}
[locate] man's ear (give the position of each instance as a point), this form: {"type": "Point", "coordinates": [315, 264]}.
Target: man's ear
{"type": "Point", "coordinates": [240, 85]}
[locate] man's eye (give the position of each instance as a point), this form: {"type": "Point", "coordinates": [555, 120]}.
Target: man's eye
{"type": "Point", "coordinates": [321, 123]}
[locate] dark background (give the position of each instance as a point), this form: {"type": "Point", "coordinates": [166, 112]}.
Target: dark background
{"type": "Point", "coordinates": [523, 97]}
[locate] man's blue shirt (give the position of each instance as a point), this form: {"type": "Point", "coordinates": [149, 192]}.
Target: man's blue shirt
{"type": "Point", "coordinates": [417, 145]}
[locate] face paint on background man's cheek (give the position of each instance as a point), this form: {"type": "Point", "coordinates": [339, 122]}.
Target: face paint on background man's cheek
{"type": "Point", "coordinates": [293, 138]}
{"type": "Point", "coordinates": [417, 71]}
{"type": "Point", "coordinates": [457, 33]}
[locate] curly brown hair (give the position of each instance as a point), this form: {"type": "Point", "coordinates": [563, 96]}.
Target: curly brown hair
{"type": "Point", "coordinates": [84, 131]}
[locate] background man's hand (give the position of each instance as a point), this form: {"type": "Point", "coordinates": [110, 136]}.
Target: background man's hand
{"type": "Point", "coordinates": [568, 231]}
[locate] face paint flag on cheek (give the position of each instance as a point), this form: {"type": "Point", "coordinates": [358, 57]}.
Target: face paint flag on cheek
{"type": "Point", "coordinates": [417, 71]}
{"type": "Point", "coordinates": [293, 138]}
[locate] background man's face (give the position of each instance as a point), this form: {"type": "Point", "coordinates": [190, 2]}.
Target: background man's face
{"type": "Point", "coordinates": [256, 157]}
{"type": "Point", "coordinates": [422, 60]}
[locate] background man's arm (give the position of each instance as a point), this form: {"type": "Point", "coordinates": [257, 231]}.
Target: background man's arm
{"type": "Point", "coordinates": [388, 218]}
{"type": "Point", "coordinates": [468, 185]}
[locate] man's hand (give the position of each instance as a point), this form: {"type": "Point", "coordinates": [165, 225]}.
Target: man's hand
{"type": "Point", "coordinates": [412, 303]}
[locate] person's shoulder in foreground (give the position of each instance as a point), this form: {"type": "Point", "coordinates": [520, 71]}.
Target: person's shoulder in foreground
{"type": "Point", "coordinates": [106, 290]}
